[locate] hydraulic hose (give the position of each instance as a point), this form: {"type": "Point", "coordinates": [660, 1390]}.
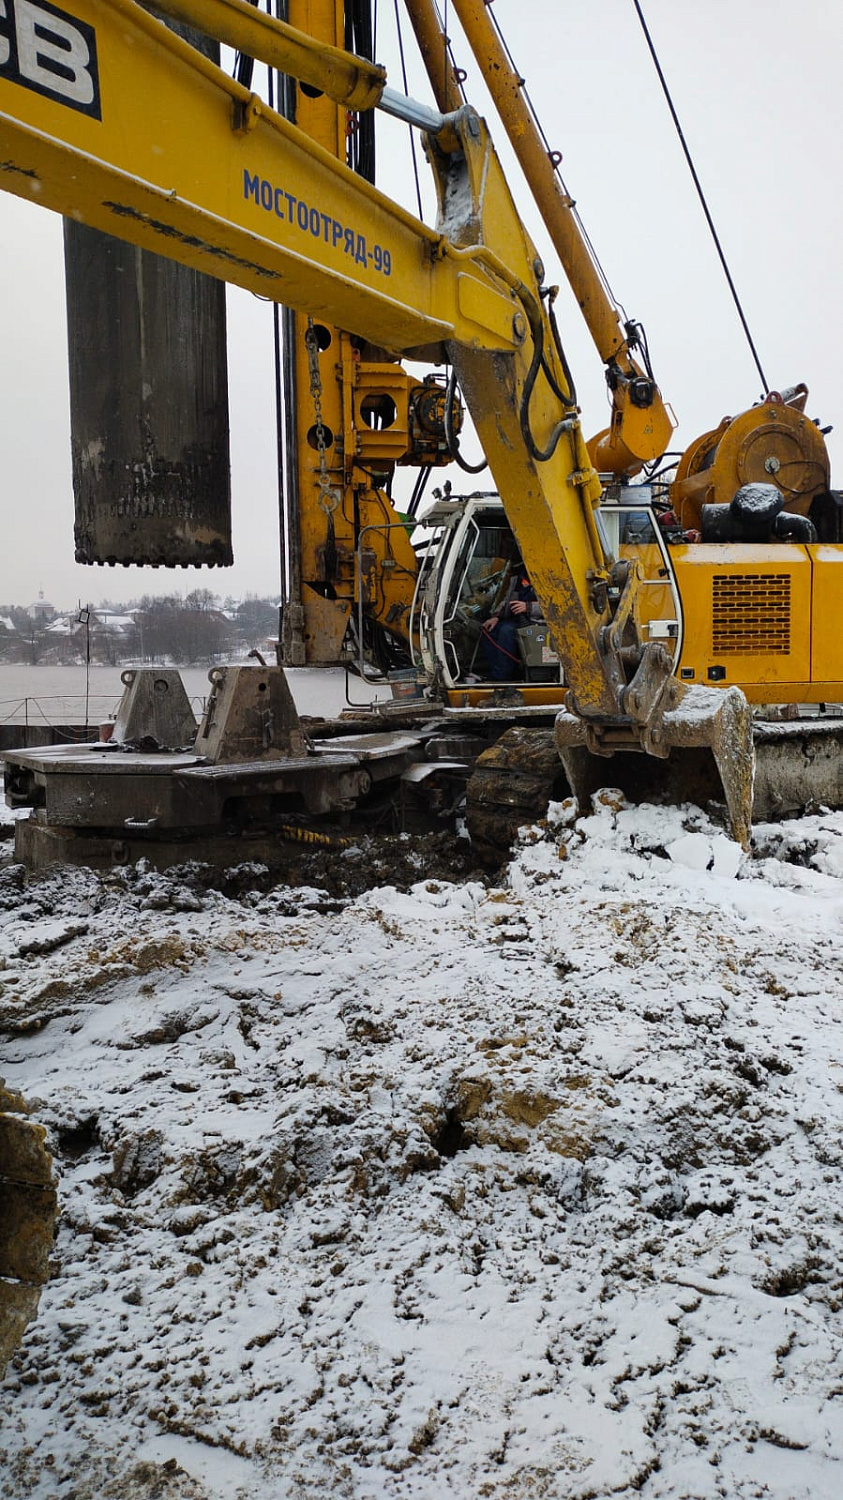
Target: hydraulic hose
{"type": "Point", "coordinates": [533, 314]}
{"type": "Point", "coordinates": [450, 435]}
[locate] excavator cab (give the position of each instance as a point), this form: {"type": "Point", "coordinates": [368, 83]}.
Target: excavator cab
{"type": "Point", "coordinates": [467, 569]}
{"type": "Point", "coordinates": [463, 583]}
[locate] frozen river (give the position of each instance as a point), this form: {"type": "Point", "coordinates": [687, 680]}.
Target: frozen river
{"type": "Point", "coordinates": [60, 695]}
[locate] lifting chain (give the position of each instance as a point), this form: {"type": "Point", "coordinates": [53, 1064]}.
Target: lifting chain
{"type": "Point", "coordinates": [329, 496]}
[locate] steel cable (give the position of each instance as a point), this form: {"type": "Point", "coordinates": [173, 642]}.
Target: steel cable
{"type": "Point", "coordinates": [701, 194]}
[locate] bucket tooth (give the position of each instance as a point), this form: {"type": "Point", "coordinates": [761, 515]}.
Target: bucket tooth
{"type": "Point", "coordinates": [718, 720]}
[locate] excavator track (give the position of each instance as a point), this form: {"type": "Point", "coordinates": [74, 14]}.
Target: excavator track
{"type": "Point", "coordinates": [28, 1208]}
{"type": "Point", "coordinates": [511, 786]}
{"type": "Point", "coordinates": [798, 765]}
{"type": "Point", "coordinates": [798, 768]}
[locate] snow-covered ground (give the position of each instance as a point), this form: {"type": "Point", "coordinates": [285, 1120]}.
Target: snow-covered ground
{"type": "Point", "coordinates": [528, 1192]}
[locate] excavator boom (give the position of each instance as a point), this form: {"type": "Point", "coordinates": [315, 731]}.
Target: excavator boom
{"type": "Point", "coordinates": [641, 424]}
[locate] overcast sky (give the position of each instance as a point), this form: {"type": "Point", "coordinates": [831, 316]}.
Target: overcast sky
{"type": "Point", "coordinates": [759, 93]}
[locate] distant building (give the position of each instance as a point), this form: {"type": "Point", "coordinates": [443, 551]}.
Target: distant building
{"type": "Point", "coordinates": [42, 609]}
{"type": "Point", "coordinates": [109, 622]}
{"type": "Point", "coordinates": [102, 622]}
{"type": "Point", "coordinates": [64, 626]}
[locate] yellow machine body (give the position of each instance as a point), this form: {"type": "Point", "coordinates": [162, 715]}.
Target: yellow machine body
{"type": "Point", "coordinates": [758, 617]}
{"type": "Point", "coordinates": [245, 194]}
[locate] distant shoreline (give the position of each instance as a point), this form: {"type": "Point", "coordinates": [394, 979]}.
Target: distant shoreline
{"type": "Point", "coordinates": [54, 695]}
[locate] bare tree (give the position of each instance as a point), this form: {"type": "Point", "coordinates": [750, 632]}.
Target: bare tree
{"type": "Point", "coordinates": [183, 631]}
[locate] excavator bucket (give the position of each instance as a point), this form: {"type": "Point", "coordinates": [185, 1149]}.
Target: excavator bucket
{"type": "Point", "coordinates": [720, 721]}
{"type": "Point", "coordinates": [698, 748]}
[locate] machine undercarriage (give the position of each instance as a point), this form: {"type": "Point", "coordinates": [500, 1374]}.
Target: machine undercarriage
{"type": "Point", "coordinates": [253, 780]}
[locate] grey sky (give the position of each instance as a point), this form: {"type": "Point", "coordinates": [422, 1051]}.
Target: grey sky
{"type": "Point", "coordinates": [758, 91]}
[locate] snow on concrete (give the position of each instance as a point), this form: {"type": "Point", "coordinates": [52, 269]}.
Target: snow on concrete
{"type": "Point", "coordinates": [522, 1192]}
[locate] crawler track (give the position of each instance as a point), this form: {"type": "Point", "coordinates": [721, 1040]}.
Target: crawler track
{"type": "Point", "coordinates": [511, 786]}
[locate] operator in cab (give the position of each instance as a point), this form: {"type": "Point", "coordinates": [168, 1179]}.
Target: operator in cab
{"type": "Point", "coordinates": [500, 631]}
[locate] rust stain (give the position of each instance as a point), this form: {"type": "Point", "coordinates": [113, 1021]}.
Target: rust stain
{"type": "Point", "coordinates": [193, 242]}
{"type": "Point", "coordinates": [12, 167]}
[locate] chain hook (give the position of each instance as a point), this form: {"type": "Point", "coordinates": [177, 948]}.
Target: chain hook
{"type": "Point", "coordinates": [329, 496]}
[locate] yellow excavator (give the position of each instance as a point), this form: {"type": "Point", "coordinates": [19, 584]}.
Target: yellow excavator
{"type": "Point", "coordinates": [724, 576]}
{"type": "Point", "coordinates": [226, 185]}
{"type": "Point", "coordinates": [668, 605]}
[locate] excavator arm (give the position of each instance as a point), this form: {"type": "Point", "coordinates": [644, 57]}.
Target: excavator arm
{"type": "Point", "coordinates": [107, 117]}
{"type": "Point", "coordinates": [641, 423]}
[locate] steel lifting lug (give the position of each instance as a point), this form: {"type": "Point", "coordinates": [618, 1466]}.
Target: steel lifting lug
{"type": "Point", "coordinates": [246, 113]}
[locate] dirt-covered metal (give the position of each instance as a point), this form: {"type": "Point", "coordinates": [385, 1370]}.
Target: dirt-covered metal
{"type": "Point", "coordinates": [28, 1207]}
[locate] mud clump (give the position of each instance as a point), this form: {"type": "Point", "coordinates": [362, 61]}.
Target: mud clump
{"type": "Point", "coordinates": [398, 860]}
{"type": "Point", "coordinates": [343, 869]}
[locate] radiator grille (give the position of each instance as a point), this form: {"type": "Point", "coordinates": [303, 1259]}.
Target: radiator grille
{"type": "Point", "coordinates": [751, 614]}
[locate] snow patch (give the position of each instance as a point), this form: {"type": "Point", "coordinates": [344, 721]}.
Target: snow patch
{"type": "Point", "coordinates": [523, 1192]}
